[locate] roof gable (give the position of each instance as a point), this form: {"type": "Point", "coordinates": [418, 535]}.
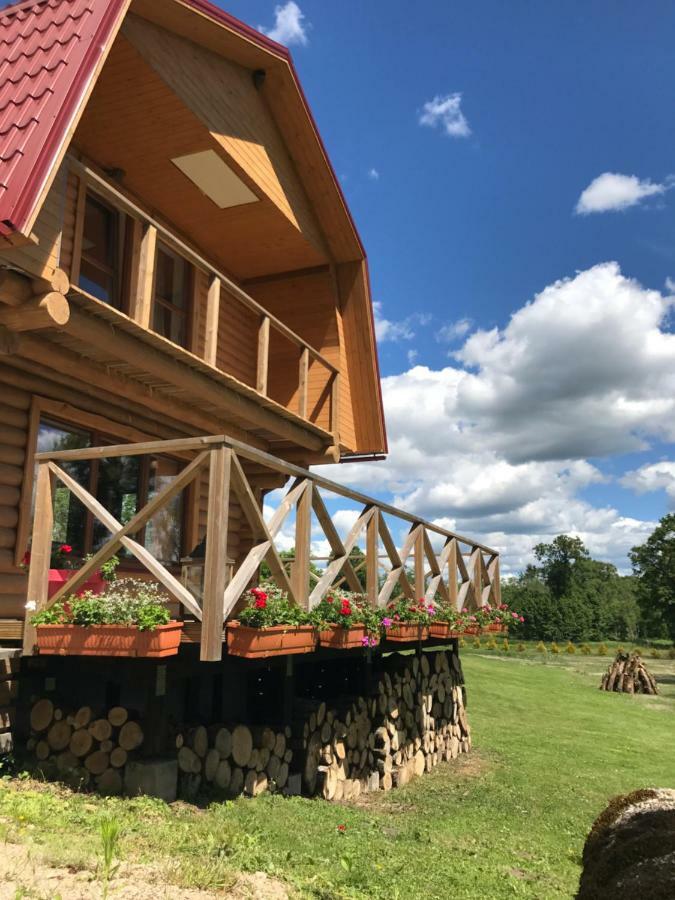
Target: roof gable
{"type": "Point", "coordinates": [51, 51]}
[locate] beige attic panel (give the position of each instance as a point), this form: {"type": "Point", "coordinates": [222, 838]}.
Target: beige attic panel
{"type": "Point", "coordinates": [215, 179]}
{"type": "Point", "coordinates": [224, 98]}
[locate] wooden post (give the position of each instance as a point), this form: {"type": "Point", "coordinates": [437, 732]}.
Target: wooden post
{"type": "Point", "coordinates": [303, 382]}
{"type": "Point", "coordinates": [419, 563]}
{"type": "Point", "coordinates": [452, 573]}
{"type": "Point", "coordinates": [476, 577]}
{"type": "Point", "coordinates": [40, 552]}
{"type": "Point", "coordinates": [212, 321]}
{"type": "Point", "coordinates": [215, 561]}
{"type": "Point", "coordinates": [335, 407]}
{"type": "Point", "coordinates": [263, 354]}
{"type": "Point", "coordinates": [372, 562]}
{"type": "Point", "coordinates": [303, 536]}
{"type": "Point", "coordinates": [141, 295]}
{"type": "Point", "coordinates": [493, 570]}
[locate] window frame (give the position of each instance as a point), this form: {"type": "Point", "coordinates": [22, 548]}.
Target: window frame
{"type": "Point", "coordinates": [119, 271]}
{"type": "Point", "coordinates": [186, 313]}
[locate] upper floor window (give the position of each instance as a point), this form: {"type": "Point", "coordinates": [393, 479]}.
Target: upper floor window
{"type": "Point", "coordinates": [172, 297]}
{"type": "Point", "coordinates": [102, 245]}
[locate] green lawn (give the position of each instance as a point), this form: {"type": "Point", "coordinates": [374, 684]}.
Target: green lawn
{"type": "Point", "coordinates": [507, 821]}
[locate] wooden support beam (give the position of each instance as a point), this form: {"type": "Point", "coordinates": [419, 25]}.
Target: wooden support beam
{"type": "Point", "coordinates": [14, 288]}
{"type": "Point", "coordinates": [303, 537]}
{"type": "Point", "coordinates": [335, 407]}
{"type": "Point", "coordinates": [493, 572]}
{"type": "Point", "coordinates": [333, 538]}
{"type": "Point", "coordinates": [397, 574]}
{"type": "Point", "coordinates": [212, 321]}
{"type": "Point", "coordinates": [50, 310]}
{"type": "Point", "coordinates": [215, 560]}
{"type": "Point", "coordinates": [303, 382]}
{"type": "Point", "coordinates": [334, 568]}
{"type": "Point", "coordinates": [419, 563]}
{"type": "Point", "coordinates": [141, 295]}
{"type": "Point", "coordinates": [372, 564]}
{"type": "Point", "coordinates": [78, 236]}
{"type": "Point", "coordinates": [263, 355]}
{"type": "Point", "coordinates": [9, 342]}
{"type": "Point", "coordinates": [452, 572]}
{"type": "Point", "coordinates": [41, 552]}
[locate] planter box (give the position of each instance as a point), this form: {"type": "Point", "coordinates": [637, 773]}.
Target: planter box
{"type": "Point", "coordinates": [58, 577]}
{"type": "Point", "coordinates": [277, 640]}
{"type": "Point", "coordinates": [443, 630]}
{"type": "Point", "coordinates": [108, 640]}
{"type": "Point", "coordinates": [407, 633]}
{"type": "Point", "coordinates": [472, 630]}
{"type": "Point", "coordinates": [492, 628]}
{"type": "Point", "coordinates": [339, 638]}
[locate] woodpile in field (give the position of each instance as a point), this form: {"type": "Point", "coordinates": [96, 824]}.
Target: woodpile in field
{"type": "Point", "coordinates": [234, 760]}
{"type": "Point", "coordinates": [81, 749]}
{"type": "Point", "coordinates": [629, 675]}
{"type": "Point", "coordinates": [414, 719]}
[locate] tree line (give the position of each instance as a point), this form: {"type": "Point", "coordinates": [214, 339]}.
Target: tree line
{"type": "Point", "coordinates": [567, 595]}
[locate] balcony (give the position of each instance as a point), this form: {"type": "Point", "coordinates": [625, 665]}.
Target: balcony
{"type": "Point", "coordinates": [431, 561]}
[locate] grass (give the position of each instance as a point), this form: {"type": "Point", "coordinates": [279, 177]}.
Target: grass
{"type": "Point", "coordinates": [507, 821]}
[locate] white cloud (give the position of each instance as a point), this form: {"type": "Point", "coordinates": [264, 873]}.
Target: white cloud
{"type": "Point", "coordinates": [373, 174]}
{"type": "Point", "coordinates": [658, 476]}
{"type": "Point", "coordinates": [453, 331]}
{"type": "Point", "coordinates": [445, 111]}
{"type": "Point", "coordinates": [669, 285]}
{"type": "Point", "coordinates": [412, 357]}
{"type": "Point", "coordinates": [497, 446]}
{"type": "Point", "coordinates": [612, 191]}
{"type": "Point", "coordinates": [289, 25]}
{"type": "Point", "coordinates": [402, 330]}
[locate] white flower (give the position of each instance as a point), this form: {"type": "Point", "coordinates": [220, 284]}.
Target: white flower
{"type": "Point", "coordinates": [31, 606]}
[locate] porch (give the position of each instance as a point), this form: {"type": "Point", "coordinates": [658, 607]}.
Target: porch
{"type": "Point", "coordinates": [432, 562]}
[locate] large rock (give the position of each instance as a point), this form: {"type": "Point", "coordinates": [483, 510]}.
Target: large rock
{"type": "Point", "coordinates": [630, 851]}
{"type": "Point", "coordinates": [153, 777]}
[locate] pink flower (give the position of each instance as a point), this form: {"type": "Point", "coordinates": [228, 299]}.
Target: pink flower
{"type": "Point", "coordinates": [372, 642]}
{"type": "Point", "coordinates": [431, 610]}
{"type": "Point", "coordinates": [365, 641]}
{"type": "Point", "coordinates": [386, 622]}
{"type": "Point", "coordinates": [522, 618]}
{"type": "Point", "coordinates": [515, 615]}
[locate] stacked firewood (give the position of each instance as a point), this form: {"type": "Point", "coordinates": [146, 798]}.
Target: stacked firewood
{"type": "Point", "coordinates": [233, 760]}
{"type": "Point", "coordinates": [629, 675]}
{"type": "Point", "coordinates": [414, 719]}
{"type": "Point", "coordinates": [81, 749]}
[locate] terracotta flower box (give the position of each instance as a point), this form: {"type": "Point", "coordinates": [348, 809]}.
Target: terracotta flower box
{"type": "Point", "coordinates": [408, 632]}
{"type": "Point", "coordinates": [472, 630]}
{"type": "Point", "coordinates": [276, 640]}
{"type": "Point", "coordinates": [339, 638]}
{"type": "Point", "coordinates": [443, 630]}
{"type": "Point", "coordinates": [108, 640]}
{"type": "Point", "coordinates": [492, 628]}
{"type": "Point", "coordinates": [58, 577]}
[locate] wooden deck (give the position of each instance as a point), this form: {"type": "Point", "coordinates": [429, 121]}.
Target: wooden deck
{"type": "Point", "coordinates": [431, 562]}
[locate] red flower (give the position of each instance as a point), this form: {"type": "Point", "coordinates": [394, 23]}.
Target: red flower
{"type": "Point", "coordinates": [65, 548]}
{"type": "Point", "coordinates": [258, 594]}
{"type": "Point", "coordinates": [397, 617]}
{"type": "Point", "coordinates": [329, 599]}
{"type": "Point", "coordinates": [260, 603]}
{"type": "Point", "coordinates": [26, 558]}
{"type": "Point", "coordinates": [341, 829]}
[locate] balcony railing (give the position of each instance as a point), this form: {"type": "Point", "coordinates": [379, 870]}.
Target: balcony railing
{"type": "Point", "coordinates": [431, 562]}
{"type": "Point", "coordinates": [220, 285]}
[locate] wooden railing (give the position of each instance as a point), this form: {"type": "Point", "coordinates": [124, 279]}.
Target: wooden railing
{"type": "Point", "coordinates": [219, 283]}
{"type": "Point", "coordinates": [432, 561]}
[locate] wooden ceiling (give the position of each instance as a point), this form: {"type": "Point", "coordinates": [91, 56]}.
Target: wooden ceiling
{"type": "Point", "coordinates": [137, 122]}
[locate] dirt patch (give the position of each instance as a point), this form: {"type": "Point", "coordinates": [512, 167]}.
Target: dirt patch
{"type": "Point", "coordinates": [24, 873]}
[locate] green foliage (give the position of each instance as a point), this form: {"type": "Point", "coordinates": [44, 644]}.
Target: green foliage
{"type": "Point", "coordinates": [108, 569]}
{"type": "Point", "coordinates": [491, 644]}
{"type": "Point", "coordinates": [656, 654]}
{"type": "Point", "coordinates": [654, 565]}
{"type": "Point", "coordinates": [110, 835]}
{"type": "Point", "coordinates": [128, 601]}
{"type": "Point", "coordinates": [476, 643]}
{"type": "Point", "coordinates": [505, 645]}
{"type": "Point", "coordinates": [521, 648]}
{"type": "Point", "coordinates": [541, 647]}
{"type": "Point", "coordinates": [603, 649]}
{"type": "Point", "coordinates": [268, 605]}
{"type": "Point", "coordinates": [410, 611]}
{"type": "Point", "coordinates": [671, 653]}
{"type": "Point", "coordinates": [570, 648]}
{"type": "Point", "coordinates": [346, 608]}
{"type": "Point", "coordinates": [555, 648]}
{"type": "Point", "coordinates": [586, 649]}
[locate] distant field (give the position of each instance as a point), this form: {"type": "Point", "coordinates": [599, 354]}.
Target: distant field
{"type": "Point", "coordinates": [507, 821]}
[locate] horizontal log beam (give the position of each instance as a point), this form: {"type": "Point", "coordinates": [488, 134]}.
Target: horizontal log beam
{"type": "Point", "coordinates": [50, 310]}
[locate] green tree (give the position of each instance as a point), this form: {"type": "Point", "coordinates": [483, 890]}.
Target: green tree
{"type": "Point", "coordinates": [654, 565]}
{"type": "Point", "coordinates": [558, 561]}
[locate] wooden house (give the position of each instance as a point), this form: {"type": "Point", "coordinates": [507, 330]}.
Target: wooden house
{"type": "Point", "coordinates": [180, 276]}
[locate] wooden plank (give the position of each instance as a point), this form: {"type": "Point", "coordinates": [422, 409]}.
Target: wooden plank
{"type": "Point", "coordinates": [303, 537]}
{"type": "Point", "coordinates": [142, 294]}
{"type": "Point", "coordinates": [303, 380]}
{"type": "Point", "coordinates": [80, 207]}
{"type": "Point", "coordinates": [334, 539]}
{"type": "Point", "coordinates": [41, 552]}
{"type": "Point", "coordinates": [334, 568]}
{"type": "Point", "coordinates": [175, 588]}
{"type": "Point", "coordinates": [372, 563]}
{"type": "Point", "coordinates": [263, 355]}
{"type": "Point", "coordinates": [215, 560]}
{"type": "Point", "coordinates": [419, 563]}
{"type": "Point", "coordinates": [212, 321]}
{"type": "Point", "coordinates": [27, 483]}
{"type": "Point", "coordinates": [493, 572]}
{"type": "Point", "coordinates": [133, 525]}
{"type": "Point", "coordinates": [397, 573]}
{"type": "Point", "coordinates": [140, 448]}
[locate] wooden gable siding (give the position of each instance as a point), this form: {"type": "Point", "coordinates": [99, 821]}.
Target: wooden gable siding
{"type": "Point", "coordinates": [44, 255]}
{"type": "Point", "coordinates": [224, 97]}
{"type": "Point", "coordinates": [307, 304]}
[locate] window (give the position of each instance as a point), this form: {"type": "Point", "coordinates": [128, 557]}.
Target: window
{"type": "Point", "coordinates": [122, 484]}
{"type": "Point", "coordinates": [172, 297]}
{"type": "Point", "coordinates": [102, 245]}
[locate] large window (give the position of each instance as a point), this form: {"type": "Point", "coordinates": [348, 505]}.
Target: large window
{"type": "Point", "coordinates": [122, 484]}
{"type": "Point", "coordinates": [172, 297]}
{"type": "Point", "coordinates": [101, 262]}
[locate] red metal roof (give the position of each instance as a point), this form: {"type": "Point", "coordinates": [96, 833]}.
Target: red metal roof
{"type": "Point", "coordinates": [49, 50]}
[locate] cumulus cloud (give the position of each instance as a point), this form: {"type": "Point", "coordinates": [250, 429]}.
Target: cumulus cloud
{"type": "Point", "coordinates": [658, 476]}
{"type": "Point", "coordinates": [453, 331]}
{"type": "Point", "coordinates": [445, 112]}
{"type": "Point", "coordinates": [401, 330]}
{"type": "Point", "coordinates": [497, 446]}
{"type": "Point", "coordinates": [289, 25]}
{"type": "Point", "coordinates": [612, 191]}
{"type": "Point", "coordinates": [373, 174]}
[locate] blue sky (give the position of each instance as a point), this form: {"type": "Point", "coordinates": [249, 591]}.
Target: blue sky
{"type": "Point", "coordinates": [509, 167]}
